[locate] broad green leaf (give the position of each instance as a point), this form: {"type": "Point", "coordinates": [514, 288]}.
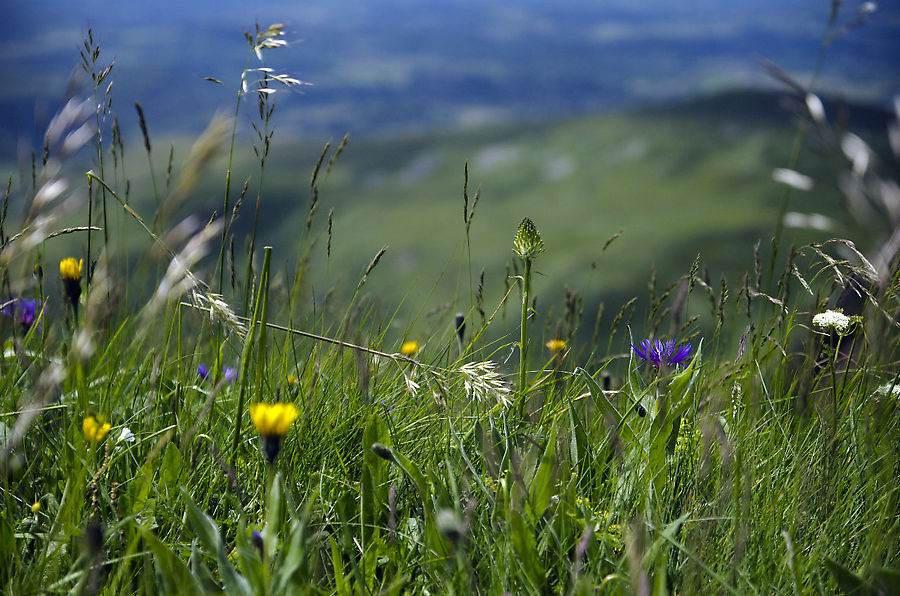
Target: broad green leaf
{"type": "Point", "coordinates": [432, 536]}
{"type": "Point", "coordinates": [170, 471]}
{"type": "Point", "coordinates": [847, 581]}
{"type": "Point", "coordinates": [209, 537]}
{"type": "Point", "coordinates": [175, 573]}
{"type": "Point", "coordinates": [337, 565]}
{"type": "Point", "coordinates": [201, 571]}
{"type": "Point", "coordinates": [886, 580]}
{"type": "Point", "coordinates": [249, 559]}
{"type": "Point", "coordinates": [544, 479]}
{"type": "Point", "coordinates": [608, 409]}
{"type": "Point", "coordinates": [521, 536]}
{"type": "Point", "coordinates": [274, 516]}
{"type": "Point", "coordinates": [291, 559]}
{"type": "Point", "coordinates": [664, 428]}
{"type": "Point", "coordinates": [374, 479]}
{"type": "Point", "coordinates": [579, 445]}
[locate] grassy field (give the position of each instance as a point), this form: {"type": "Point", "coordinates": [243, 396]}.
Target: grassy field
{"type": "Point", "coordinates": [676, 182]}
{"type": "Point", "coordinates": [165, 430]}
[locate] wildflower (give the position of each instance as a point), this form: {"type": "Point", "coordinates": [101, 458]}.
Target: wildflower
{"type": "Point", "coordinates": [70, 272]}
{"type": "Point", "coordinates": [23, 311]}
{"type": "Point", "coordinates": [229, 373]}
{"type": "Point", "coordinates": [126, 436]}
{"type": "Point", "coordinates": [832, 319]}
{"type": "Point", "coordinates": [528, 242]}
{"type": "Point", "coordinates": [28, 314]}
{"type": "Point", "coordinates": [661, 353]}
{"type": "Point", "coordinates": [95, 428]}
{"type": "Point", "coordinates": [292, 380]}
{"type": "Point", "coordinates": [272, 422]}
{"type": "Point", "coordinates": [556, 345]}
{"type": "Point", "coordinates": [35, 507]}
{"type": "Point", "coordinates": [257, 541]}
{"type": "Point", "coordinates": [71, 269]}
{"type": "Point", "coordinates": [409, 348]}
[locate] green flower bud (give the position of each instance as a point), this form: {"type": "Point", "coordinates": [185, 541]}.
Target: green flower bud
{"type": "Point", "coordinates": [528, 242]}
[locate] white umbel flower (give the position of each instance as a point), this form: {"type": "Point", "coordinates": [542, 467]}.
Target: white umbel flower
{"type": "Point", "coordinates": [832, 319]}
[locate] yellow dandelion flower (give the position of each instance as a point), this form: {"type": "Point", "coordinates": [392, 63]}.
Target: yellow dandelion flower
{"type": "Point", "coordinates": [70, 269]}
{"type": "Point", "coordinates": [556, 345]}
{"type": "Point", "coordinates": [409, 348]}
{"type": "Point", "coordinates": [70, 272]}
{"type": "Point", "coordinates": [272, 422]}
{"type": "Point", "coordinates": [95, 428]}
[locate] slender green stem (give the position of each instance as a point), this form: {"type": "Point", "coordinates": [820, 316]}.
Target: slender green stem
{"type": "Point", "coordinates": [90, 175]}
{"type": "Point", "coordinates": [237, 109]}
{"type": "Point", "coordinates": [523, 337]}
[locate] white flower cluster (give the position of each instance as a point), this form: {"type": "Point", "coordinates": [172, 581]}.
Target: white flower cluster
{"type": "Point", "coordinates": [832, 319]}
{"type": "Point", "coordinates": [126, 436]}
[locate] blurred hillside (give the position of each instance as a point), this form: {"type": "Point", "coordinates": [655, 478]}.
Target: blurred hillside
{"type": "Point", "coordinates": [692, 178]}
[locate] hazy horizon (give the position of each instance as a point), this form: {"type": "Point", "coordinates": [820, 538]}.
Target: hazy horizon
{"type": "Point", "coordinates": [397, 65]}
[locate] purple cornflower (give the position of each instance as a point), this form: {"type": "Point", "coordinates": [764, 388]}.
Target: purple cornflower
{"type": "Point", "coordinates": [23, 310]}
{"type": "Point", "coordinates": [662, 353]}
{"type": "Point", "coordinates": [229, 373]}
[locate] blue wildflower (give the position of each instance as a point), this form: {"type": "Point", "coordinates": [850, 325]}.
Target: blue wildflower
{"type": "Point", "coordinates": [23, 311]}
{"type": "Point", "coordinates": [662, 353]}
{"type": "Point", "coordinates": [229, 373]}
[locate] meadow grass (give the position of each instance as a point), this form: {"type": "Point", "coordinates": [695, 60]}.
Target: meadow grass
{"type": "Point", "coordinates": [166, 431]}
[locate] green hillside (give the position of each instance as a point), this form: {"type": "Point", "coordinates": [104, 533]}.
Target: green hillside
{"type": "Point", "coordinates": [678, 181]}
{"type": "Point", "coordinates": [681, 181]}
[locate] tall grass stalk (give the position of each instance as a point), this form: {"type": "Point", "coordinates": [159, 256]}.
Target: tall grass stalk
{"type": "Point", "coordinates": [255, 333]}
{"type": "Point", "coordinates": [527, 245]}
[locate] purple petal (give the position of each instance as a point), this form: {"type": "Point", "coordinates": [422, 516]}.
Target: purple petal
{"type": "Point", "coordinates": [683, 353]}
{"type": "Point", "coordinates": [641, 352]}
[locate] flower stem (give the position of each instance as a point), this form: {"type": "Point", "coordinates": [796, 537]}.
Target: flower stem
{"type": "Point", "coordinates": [523, 338]}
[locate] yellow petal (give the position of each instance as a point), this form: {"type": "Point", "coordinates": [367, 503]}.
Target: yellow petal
{"type": "Point", "coordinates": [273, 420]}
